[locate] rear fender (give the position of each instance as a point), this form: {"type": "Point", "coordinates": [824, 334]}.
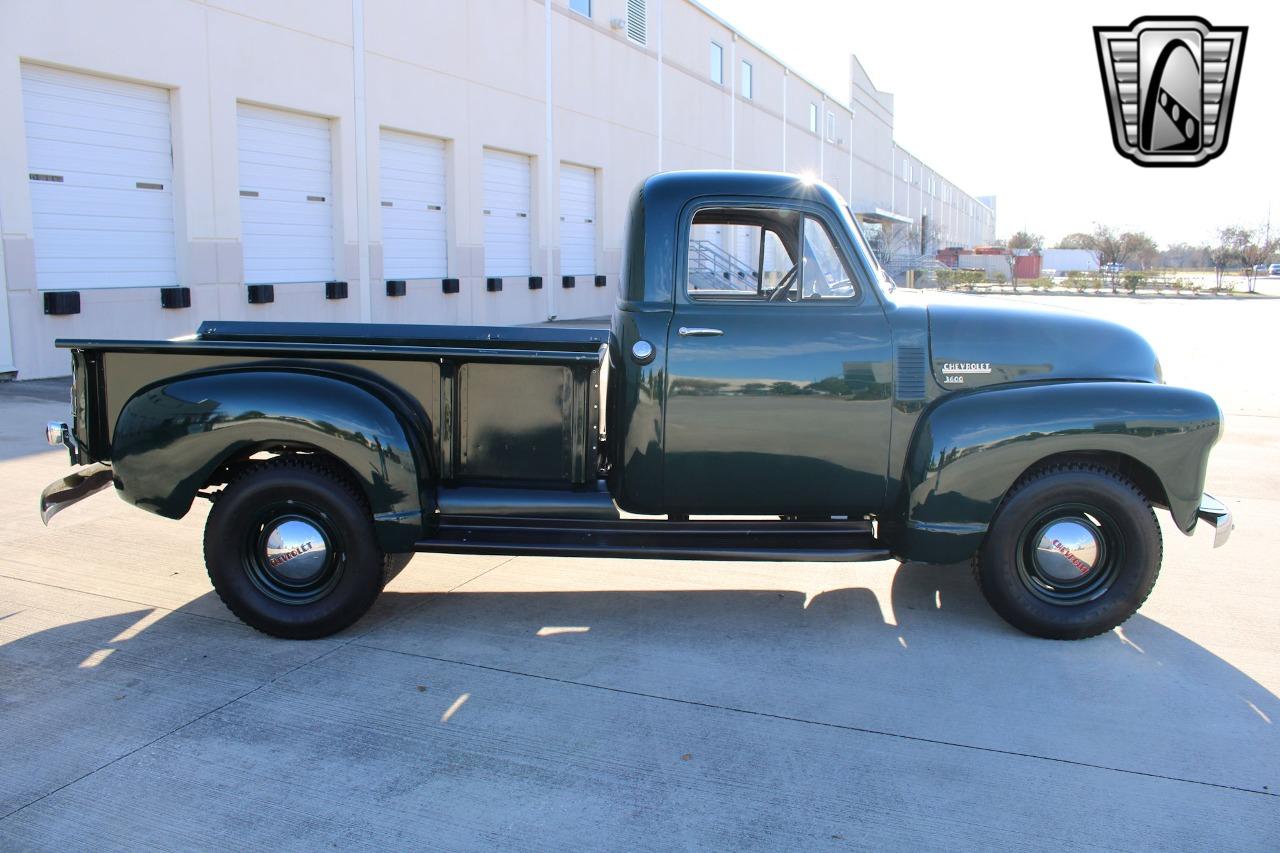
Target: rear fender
{"type": "Point", "coordinates": [170, 438]}
{"type": "Point", "coordinates": [970, 449]}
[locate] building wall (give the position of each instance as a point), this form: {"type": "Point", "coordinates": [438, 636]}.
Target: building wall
{"type": "Point", "coordinates": [473, 74]}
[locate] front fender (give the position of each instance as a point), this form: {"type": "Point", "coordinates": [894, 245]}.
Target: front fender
{"type": "Point", "coordinates": [970, 449]}
{"type": "Point", "coordinates": [171, 438]}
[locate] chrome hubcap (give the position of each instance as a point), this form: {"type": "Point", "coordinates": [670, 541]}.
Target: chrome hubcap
{"type": "Point", "coordinates": [1067, 551]}
{"type": "Point", "coordinates": [1070, 554]}
{"type": "Point", "coordinates": [293, 553]}
{"type": "Point", "coordinates": [294, 550]}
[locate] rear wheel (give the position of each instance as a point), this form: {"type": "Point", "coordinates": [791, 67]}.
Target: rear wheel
{"type": "Point", "coordinates": [290, 550]}
{"type": "Point", "coordinates": [1073, 552]}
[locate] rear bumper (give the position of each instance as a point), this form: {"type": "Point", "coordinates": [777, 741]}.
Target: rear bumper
{"type": "Point", "coordinates": [72, 489]}
{"type": "Point", "coordinates": [1216, 513]}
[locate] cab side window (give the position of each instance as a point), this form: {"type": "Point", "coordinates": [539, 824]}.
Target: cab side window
{"type": "Point", "coordinates": [763, 255]}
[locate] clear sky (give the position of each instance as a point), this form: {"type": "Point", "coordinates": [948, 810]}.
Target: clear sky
{"type": "Point", "coordinates": [1006, 98]}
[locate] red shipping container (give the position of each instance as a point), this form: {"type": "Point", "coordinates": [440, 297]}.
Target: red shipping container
{"type": "Point", "coordinates": [1027, 266]}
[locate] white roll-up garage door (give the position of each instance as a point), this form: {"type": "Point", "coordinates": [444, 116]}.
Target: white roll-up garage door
{"type": "Point", "coordinates": [100, 170]}
{"type": "Point", "coordinates": [411, 177]}
{"type": "Point", "coordinates": [508, 184]}
{"type": "Point", "coordinates": [286, 204]}
{"type": "Point", "coordinates": [577, 220]}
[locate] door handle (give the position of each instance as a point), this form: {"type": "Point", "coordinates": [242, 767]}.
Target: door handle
{"type": "Point", "coordinates": [696, 332]}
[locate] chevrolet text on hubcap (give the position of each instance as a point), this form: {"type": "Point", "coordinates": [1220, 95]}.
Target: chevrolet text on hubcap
{"type": "Point", "coordinates": [295, 550]}
{"type": "Point", "coordinates": [291, 556]}
{"type": "Point", "coordinates": [1070, 555]}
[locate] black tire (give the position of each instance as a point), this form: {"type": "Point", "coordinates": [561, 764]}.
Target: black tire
{"type": "Point", "coordinates": [290, 549]}
{"type": "Point", "coordinates": [1070, 590]}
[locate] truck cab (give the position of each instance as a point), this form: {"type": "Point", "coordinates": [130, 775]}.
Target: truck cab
{"type": "Point", "coordinates": [763, 392]}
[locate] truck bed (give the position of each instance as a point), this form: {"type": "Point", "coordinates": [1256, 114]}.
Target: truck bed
{"type": "Point", "coordinates": [503, 404]}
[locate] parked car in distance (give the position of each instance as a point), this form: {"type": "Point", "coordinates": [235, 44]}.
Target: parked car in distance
{"type": "Point", "coordinates": [768, 395]}
{"type": "Point", "coordinates": [1274, 269]}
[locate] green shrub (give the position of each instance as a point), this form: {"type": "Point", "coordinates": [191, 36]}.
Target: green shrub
{"type": "Point", "coordinates": [1132, 281]}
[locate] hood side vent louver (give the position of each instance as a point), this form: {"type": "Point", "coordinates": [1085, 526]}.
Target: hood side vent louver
{"type": "Point", "coordinates": [911, 370]}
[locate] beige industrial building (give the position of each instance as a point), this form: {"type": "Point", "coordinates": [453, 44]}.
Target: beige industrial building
{"type": "Point", "coordinates": [428, 161]}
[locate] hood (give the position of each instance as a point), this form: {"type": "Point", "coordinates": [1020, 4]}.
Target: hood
{"type": "Point", "coordinates": [977, 341]}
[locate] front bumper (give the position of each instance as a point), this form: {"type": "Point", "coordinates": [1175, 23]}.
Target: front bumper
{"type": "Point", "coordinates": [1216, 513]}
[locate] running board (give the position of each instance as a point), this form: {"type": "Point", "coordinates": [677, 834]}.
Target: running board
{"type": "Point", "coordinates": [803, 541]}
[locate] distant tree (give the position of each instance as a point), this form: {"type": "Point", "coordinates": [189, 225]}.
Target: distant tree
{"type": "Point", "coordinates": [1183, 256]}
{"type": "Point", "coordinates": [1254, 247]}
{"type": "Point", "coordinates": [1141, 248]}
{"type": "Point", "coordinates": [1033, 243]}
{"type": "Point", "coordinates": [924, 238]}
{"type": "Point", "coordinates": [1078, 240]}
{"type": "Point", "coordinates": [1226, 252]}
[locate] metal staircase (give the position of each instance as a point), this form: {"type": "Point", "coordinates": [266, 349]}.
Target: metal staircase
{"type": "Point", "coordinates": [712, 268]}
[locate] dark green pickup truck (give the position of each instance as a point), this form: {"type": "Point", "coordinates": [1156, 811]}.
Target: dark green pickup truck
{"type": "Point", "coordinates": [793, 407]}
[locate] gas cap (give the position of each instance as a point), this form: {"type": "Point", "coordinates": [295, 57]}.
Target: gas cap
{"type": "Point", "coordinates": [643, 352]}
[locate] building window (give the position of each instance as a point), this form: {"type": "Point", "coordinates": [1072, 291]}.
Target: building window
{"type": "Point", "coordinates": [637, 24]}
{"type": "Point", "coordinates": [813, 118]}
{"type": "Point", "coordinates": [717, 64]}
{"type": "Point", "coordinates": [582, 7]}
{"type": "Point", "coordinates": [831, 127]}
{"type": "Point", "coordinates": [747, 90]}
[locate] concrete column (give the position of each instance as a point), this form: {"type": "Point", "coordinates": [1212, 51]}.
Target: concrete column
{"type": "Point", "coordinates": [661, 62]}
{"type": "Point", "coordinates": [822, 140]}
{"type": "Point", "coordinates": [733, 102]}
{"type": "Point", "coordinates": [6, 337]}
{"type": "Point", "coordinates": [851, 115]}
{"type": "Point", "coordinates": [786, 73]}
{"type": "Point", "coordinates": [550, 169]}
{"type": "Point", "coordinates": [362, 160]}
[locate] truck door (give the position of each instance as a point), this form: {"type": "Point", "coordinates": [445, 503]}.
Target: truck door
{"type": "Point", "coordinates": [779, 369]}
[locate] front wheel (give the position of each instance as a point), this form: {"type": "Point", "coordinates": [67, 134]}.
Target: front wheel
{"type": "Point", "coordinates": [290, 550]}
{"type": "Point", "coordinates": [1072, 552]}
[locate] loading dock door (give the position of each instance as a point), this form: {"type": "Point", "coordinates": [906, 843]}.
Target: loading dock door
{"type": "Point", "coordinates": [508, 184]}
{"type": "Point", "coordinates": [411, 178]}
{"type": "Point", "coordinates": [286, 196]}
{"type": "Point", "coordinates": [577, 220]}
{"type": "Point", "coordinates": [100, 172]}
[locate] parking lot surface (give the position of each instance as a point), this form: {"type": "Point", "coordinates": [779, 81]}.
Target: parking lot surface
{"type": "Point", "coordinates": [532, 703]}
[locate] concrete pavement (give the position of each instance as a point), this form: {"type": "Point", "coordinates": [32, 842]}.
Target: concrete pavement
{"type": "Point", "coordinates": [532, 702]}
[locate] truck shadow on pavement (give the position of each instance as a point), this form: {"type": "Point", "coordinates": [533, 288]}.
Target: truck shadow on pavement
{"type": "Point", "coordinates": [932, 664]}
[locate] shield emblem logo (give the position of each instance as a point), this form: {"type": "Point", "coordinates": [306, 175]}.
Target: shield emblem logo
{"type": "Point", "coordinates": [1170, 84]}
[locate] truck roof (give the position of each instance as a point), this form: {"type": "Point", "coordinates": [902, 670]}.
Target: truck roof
{"type": "Point", "coordinates": [656, 205]}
